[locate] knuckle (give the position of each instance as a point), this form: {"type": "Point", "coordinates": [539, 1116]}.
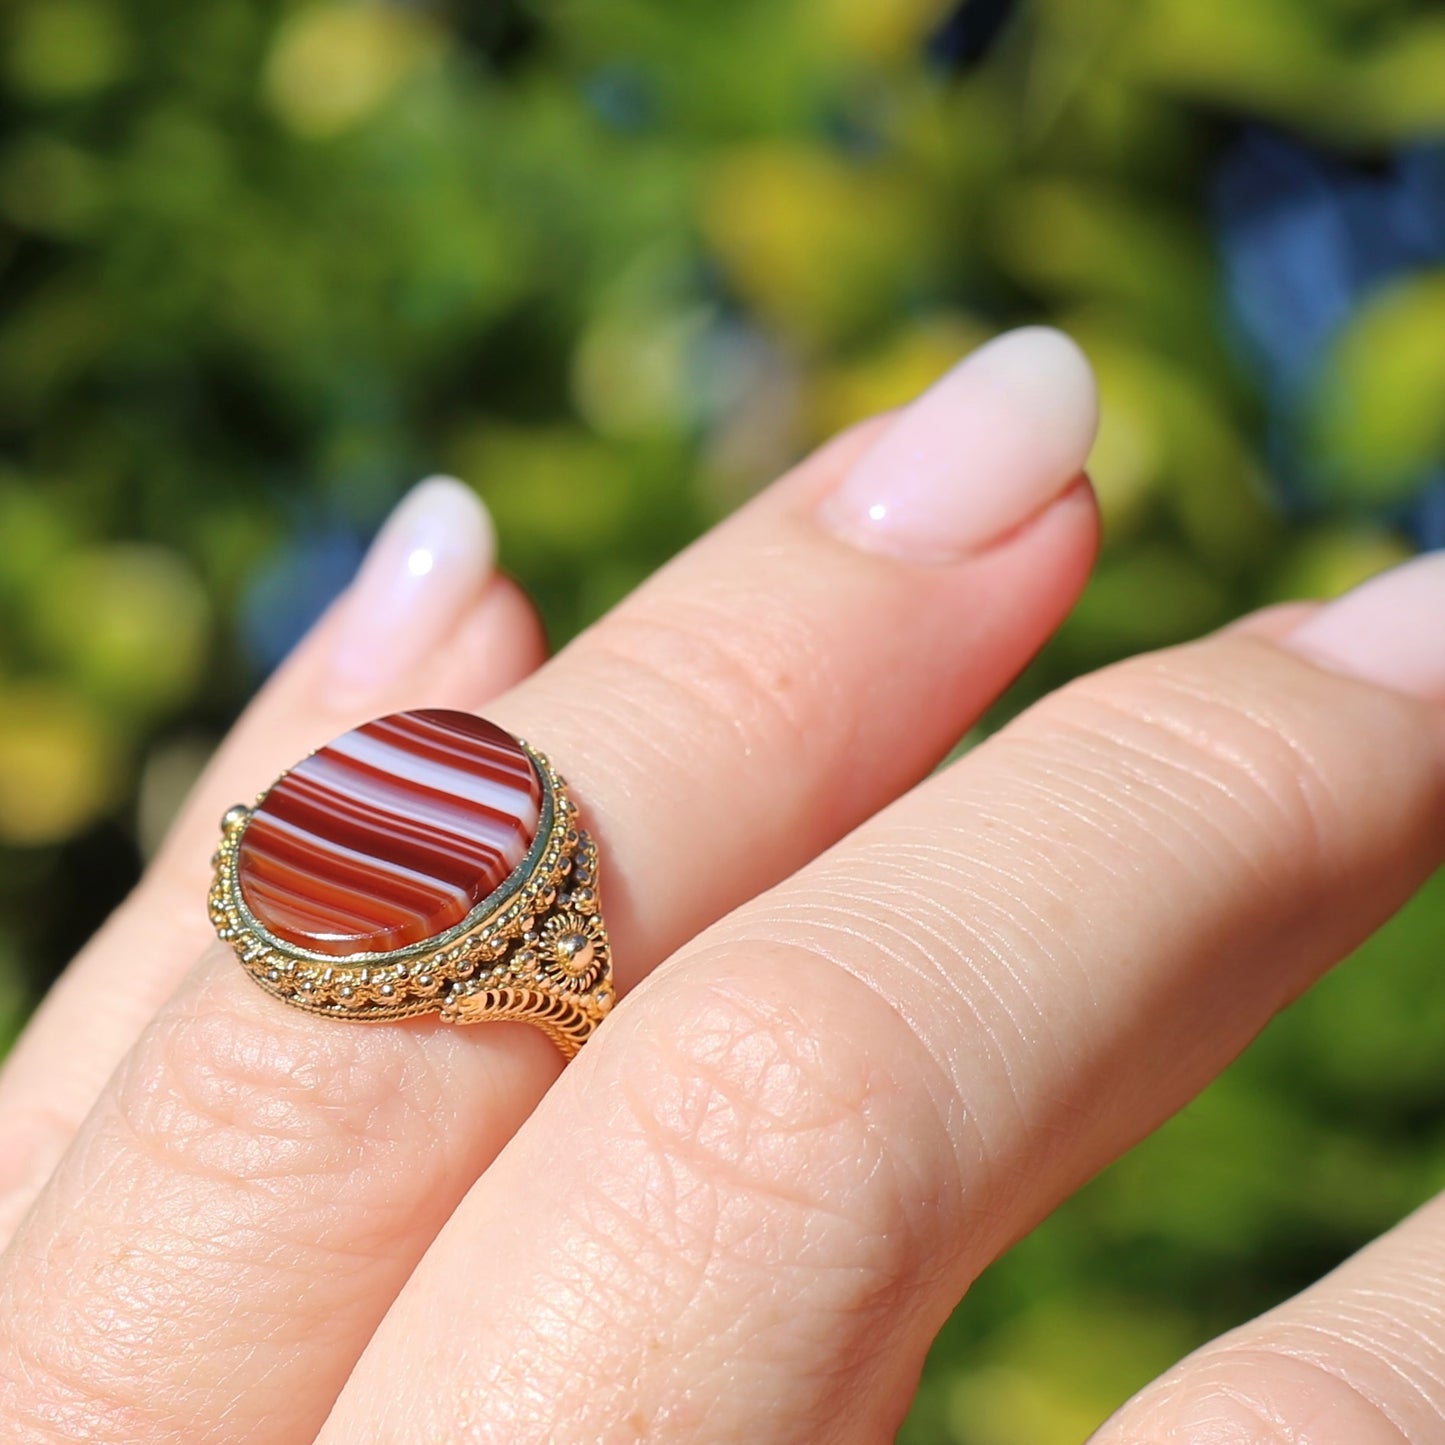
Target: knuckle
{"type": "Point", "coordinates": [62, 1393]}
{"type": "Point", "coordinates": [739, 1088]}
{"type": "Point", "coordinates": [227, 1124]}
{"type": "Point", "coordinates": [766, 1194]}
{"type": "Point", "coordinates": [225, 1084]}
{"type": "Point", "coordinates": [759, 1129]}
{"type": "Point", "coordinates": [939, 913]}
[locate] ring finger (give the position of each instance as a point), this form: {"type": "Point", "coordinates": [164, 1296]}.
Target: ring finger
{"type": "Point", "coordinates": [255, 1185]}
{"type": "Point", "coordinates": [427, 614]}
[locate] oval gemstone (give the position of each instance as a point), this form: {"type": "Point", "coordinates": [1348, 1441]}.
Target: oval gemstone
{"type": "Point", "coordinates": [391, 834]}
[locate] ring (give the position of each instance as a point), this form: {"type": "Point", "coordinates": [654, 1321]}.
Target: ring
{"type": "Point", "coordinates": [426, 862]}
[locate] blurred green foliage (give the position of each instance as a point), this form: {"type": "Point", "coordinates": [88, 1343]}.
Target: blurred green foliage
{"type": "Point", "coordinates": [616, 262]}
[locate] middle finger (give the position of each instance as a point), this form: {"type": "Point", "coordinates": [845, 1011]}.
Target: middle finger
{"type": "Point", "coordinates": [255, 1184]}
{"type": "Point", "coordinates": [745, 1212]}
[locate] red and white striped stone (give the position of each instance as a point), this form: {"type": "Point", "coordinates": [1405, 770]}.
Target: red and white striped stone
{"type": "Point", "coordinates": [391, 834]}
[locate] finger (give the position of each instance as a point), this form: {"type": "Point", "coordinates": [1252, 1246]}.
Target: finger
{"type": "Point", "coordinates": [428, 617]}
{"type": "Point", "coordinates": [746, 1211]}
{"type": "Point", "coordinates": [1359, 1359]}
{"type": "Point", "coordinates": [250, 1193]}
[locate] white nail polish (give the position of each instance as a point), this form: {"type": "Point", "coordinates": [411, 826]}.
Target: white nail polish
{"type": "Point", "coordinates": [1389, 630]}
{"type": "Point", "coordinates": [979, 453]}
{"type": "Point", "coordinates": [427, 564]}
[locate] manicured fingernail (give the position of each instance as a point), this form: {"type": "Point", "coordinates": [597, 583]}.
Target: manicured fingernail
{"type": "Point", "coordinates": [979, 453]}
{"type": "Point", "coordinates": [426, 565]}
{"type": "Point", "coordinates": [1389, 631]}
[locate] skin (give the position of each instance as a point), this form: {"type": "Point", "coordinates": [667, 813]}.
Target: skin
{"type": "Point", "coordinates": [879, 1020]}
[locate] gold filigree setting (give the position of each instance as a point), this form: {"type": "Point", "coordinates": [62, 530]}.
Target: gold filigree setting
{"type": "Point", "coordinates": [535, 951]}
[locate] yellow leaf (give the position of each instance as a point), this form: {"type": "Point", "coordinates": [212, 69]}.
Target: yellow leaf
{"type": "Point", "coordinates": [1271, 56]}
{"type": "Point", "coordinates": [59, 764]}
{"type": "Point", "coordinates": [866, 28]}
{"type": "Point", "coordinates": [1378, 415]}
{"type": "Point", "coordinates": [334, 64]}
{"type": "Point", "coordinates": [127, 624]}
{"type": "Point", "coordinates": [1401, 84]}
{"type": "Point", "coordinates": [818, 244]}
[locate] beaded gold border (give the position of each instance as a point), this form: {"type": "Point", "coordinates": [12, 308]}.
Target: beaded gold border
{"type": "Point", "coordinates": [535, 950]}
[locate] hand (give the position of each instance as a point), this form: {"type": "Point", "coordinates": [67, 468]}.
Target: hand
{"type": "Point", "coordinates": [879, 1023]}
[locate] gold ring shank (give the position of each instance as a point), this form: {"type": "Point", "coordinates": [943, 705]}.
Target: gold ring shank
{"type": "Point", "coordinates": [536, 951]}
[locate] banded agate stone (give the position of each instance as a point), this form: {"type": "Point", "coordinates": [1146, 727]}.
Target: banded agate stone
{"type": "Point", "coordinates": [390, 835]}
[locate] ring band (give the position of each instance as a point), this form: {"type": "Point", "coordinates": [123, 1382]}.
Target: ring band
{"type": "Point", "coordinates": [427, 862]}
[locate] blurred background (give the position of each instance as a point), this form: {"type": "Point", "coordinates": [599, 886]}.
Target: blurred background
{"type": "Point", "coordinates": [617, 262]}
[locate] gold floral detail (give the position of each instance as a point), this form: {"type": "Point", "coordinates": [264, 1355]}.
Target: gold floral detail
{"type": "Point", "coordinates": [572, 953]}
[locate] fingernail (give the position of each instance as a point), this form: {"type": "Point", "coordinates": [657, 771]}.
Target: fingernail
{"type": "Point", "coordinates": [425, 567]}
{"type": "Point", "coordinates": [1389, 631]}
{"type": "Point", "coordinates": [979, 453]}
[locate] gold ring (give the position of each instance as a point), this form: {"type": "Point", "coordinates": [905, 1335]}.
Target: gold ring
{"type": "Point", "coordinates": [426, 862]}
